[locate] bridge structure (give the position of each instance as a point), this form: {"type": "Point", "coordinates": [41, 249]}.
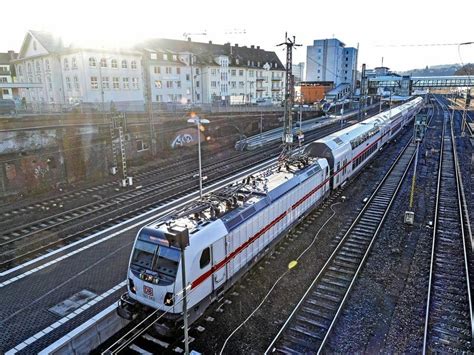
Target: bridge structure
{"type": "Point", "coordinates": [419, 82]}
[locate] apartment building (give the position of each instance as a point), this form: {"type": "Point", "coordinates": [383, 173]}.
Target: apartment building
{"type": "Point", "coordinates": [7, 74]}
{"type": "Point", "coordinates": [330, 60]}
{"type": "Point", "coordinates": [195, 72]}
{"type": "Point", "coordinates": [155, 71]}
{"type": "Point", "coordinates": [71, 75]}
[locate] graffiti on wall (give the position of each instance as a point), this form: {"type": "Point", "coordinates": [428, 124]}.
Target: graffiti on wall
{"type": "Point", "coordinates": [185, 137]}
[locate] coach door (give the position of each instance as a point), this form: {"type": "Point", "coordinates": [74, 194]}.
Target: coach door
{"type": "Point", "coordinates": [218, 263]}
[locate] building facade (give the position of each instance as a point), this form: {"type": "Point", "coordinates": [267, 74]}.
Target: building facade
{"type": "Point", "coordinates": [298, 72]}
{"type": "Point", "coordinates": [76, 75]}
{"type": "Point", "coordinates": [330, 60]}
{"type": "Point", "coordinates": [7, 74]}
{"type": "Point", "coordinates": [207, 73]}
{"type": "Point", "coordinates": [155, 71]}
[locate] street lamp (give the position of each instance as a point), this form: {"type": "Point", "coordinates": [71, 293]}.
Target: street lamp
{"type": "Point", "coordinates": [198, 121]}
{"type": "Point", "coordinates": [178, 236]}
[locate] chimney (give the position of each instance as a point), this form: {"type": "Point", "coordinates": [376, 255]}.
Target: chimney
{"type": "Point", "coordinates": [236, 45]}
{"type": "Point", "coordinates": [189, 39]}
{"type": "Point", "coordinates": [258, 47]}
{"type": "Point", "coordinates": [252, 46]}
{"type": "Point", "coordinates": [210, 42]}
{"type": "Point", "coordinates": [11, 54]}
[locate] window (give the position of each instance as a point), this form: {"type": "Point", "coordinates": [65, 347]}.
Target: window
{"type": "Point", "coordinates": [168, 70]}
{"type": "Point", "coordinates": [105, 82]}
{"type": "Point", "coordinates": [66, 64]}
{"type": "Point", "coordinates": [159, 98]}
{"type": "Point", "coordinates": [233, 84]}
{"type": "Point", "coordinates": [68, 83]}
{"type": "Point", "coordinates": [175, 57]}
{"type": "Point", "coordinates": [38, 68]}
{"type": "Point", "coordinates": [73, 63]}
{"type": "Point", "coordinates": [113, 63]}
{"type": "Point", "coordinates": [205, 258]}
{"type": "Point", "coordinates": [126, 83]}
{"type": "Point", "coordinates": [232, 72]}
{"type": "Point", "coordinates": [241, 84]}
{"type": "Point", "coordinates": [135, 83]}
{"type": "Point", "coordinates": [20, 70]}
{"type": "Point", "coordinates": [29, 68]}
{"type": "Point", "coordinates": [141, 145]}
{"type": "Point", "coordinates": [124, 64]}
{"type": "Point", "coordinates": [103, 63]}
{"type": "Point", "coordinates": [213, 84]}
{"type": "Point", "coordinates": [133, 64]}
{"type": "Point", "coordinates": [198, 97]}
{"type": "Point", "coordinates": [241, 72]}
{"type": "Point", "coordinates": [165, 56]}
{"type": "Point", "coordinates": [178, 71]}
{"type": "Point", "coordinates": [115, 83]}
{"type": "Point", "coordinates": [76, 83]}
{"type": "Point", "coordinates": [46, 64]}
{"type": "Point", "coordinates": [197, 84]}
{"type": "Point", "coordinates": [157, 70]}
{"type": "Point", "coordinates": [5, 92]}
{"type": "Point", "coordinates": [94, 82]}
{"type": "Point", "coordinates": [178, 84]}
{"type": "Point", "coordinates": [213, 71]}
{"type": "Point", "coordinates": [158, 84]}
{"type": "Point", "coordinates": [153, 56]}
{"type": "Point", "coordinates": [169, 84]}
{"type": "Point", "coordinates": [237, 61]}
{"type": "Point", "coordinates": [50, 85]}
{"type": "Point", "coordinates": [188, 77]}
{"type": "Point", "coordinates": [197, 71]}
{"type": "Point", "coordinates": [251, 73]}
{"type": "Point", "coordinates": [92, 62]}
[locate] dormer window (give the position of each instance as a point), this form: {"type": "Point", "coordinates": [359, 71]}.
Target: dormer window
{"type": "Point", "coordinates": [165, 56]}
{"type": "Point", "coordinates": [153, 56]}
{"type": "Point", "coordinates": [237, 61]}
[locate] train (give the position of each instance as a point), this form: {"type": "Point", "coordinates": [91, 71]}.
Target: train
{"type": "Point", "coordinates": [231, 229]}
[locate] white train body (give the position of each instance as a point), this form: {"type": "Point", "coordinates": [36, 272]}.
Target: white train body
{"type": "Point", "coordinates": [221, 248]}
{"type": "Point", "coordinates": [348, 150]}
{"type": "Point", "coordinates": [228, 233]}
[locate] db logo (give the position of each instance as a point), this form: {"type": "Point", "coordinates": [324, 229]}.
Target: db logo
{"type": "Point", "coordinates": [147, 290]}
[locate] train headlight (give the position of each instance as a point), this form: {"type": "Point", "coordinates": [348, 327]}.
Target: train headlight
{"type": "Point", "coordinates": [132, 286]}
{"type": "Point", "coordinates": [169, 301]}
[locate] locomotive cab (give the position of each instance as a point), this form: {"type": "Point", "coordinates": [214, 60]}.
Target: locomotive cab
{"type": "Point", "coordinates": [152, 275]}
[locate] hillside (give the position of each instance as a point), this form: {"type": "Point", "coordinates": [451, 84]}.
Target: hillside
{"type": "Point", "coordinates": [435, 70]}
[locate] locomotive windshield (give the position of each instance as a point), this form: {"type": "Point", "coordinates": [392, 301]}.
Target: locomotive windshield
{"type": "Point", "coordinates": [160, 259]}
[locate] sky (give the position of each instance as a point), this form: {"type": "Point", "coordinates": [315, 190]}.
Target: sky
{"type": "Point", "coordinates": [381, 29]}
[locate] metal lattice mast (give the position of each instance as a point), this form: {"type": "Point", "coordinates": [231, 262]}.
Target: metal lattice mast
{"type": "Point", "coordinates": [289, 95]}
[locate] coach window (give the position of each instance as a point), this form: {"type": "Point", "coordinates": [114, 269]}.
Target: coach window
{"type": "Point", "coordinates": [205, 258]}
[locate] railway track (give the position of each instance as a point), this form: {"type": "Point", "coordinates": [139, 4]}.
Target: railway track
{"type": "Point", "coordinates": [30, 239]}
{"type": "Point", "coordinates": [449, 322]}
{"type": "Point", "coordinates": [309, 325]}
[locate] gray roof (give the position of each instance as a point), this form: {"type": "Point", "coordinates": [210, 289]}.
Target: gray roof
{"type": "Point", "coordinates": [5, 58]}
{"type": "Point", "coordinates": [50, 42]}
{"type": "Point", "coordinates": [206, 52]}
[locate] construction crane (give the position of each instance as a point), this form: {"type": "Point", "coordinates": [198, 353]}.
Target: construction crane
{"type": "Point", "coordinates": [187, 35]}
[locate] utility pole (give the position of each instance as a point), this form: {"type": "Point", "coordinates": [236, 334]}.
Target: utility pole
{"type": "Point", "coordinates": [289, 96]}
{"type": "Point", "coordinates": [464, 113]}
